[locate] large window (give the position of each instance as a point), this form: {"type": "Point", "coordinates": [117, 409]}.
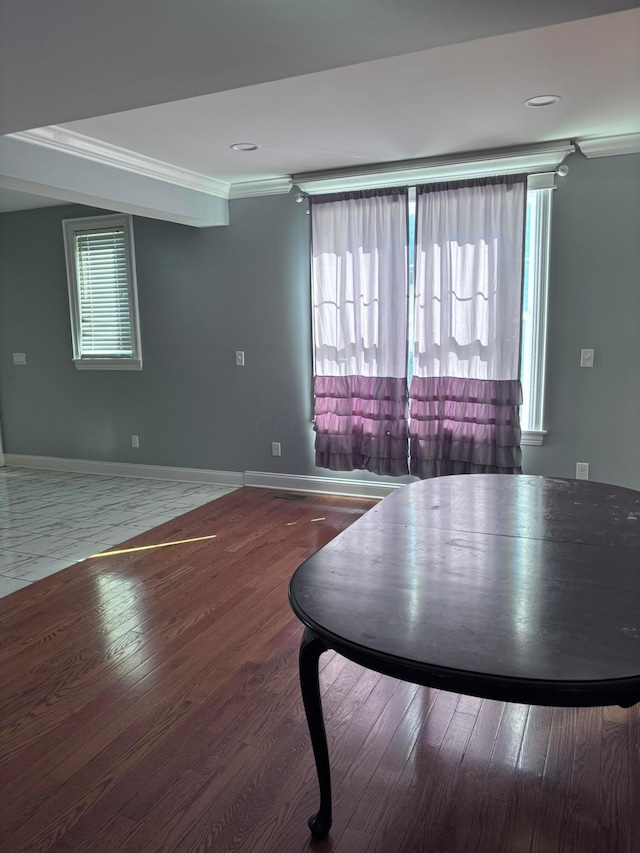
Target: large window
{"type": "Point", "coordinates": [102, 293]}
{"type": "Point", "coordinates": [534, 308]}
{"type": "Point", "coordinates": [541, 163]}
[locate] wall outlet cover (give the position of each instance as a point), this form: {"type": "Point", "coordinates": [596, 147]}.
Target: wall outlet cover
{"type": "Point", "coordinates": [582, 470]}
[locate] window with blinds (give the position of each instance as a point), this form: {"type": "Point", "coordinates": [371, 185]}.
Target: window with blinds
{"type": "Point", "coordinates": [102, 292]}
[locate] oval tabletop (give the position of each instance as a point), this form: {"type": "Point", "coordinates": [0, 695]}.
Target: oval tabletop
{"type": "Point", "coordinates": [517, 587]}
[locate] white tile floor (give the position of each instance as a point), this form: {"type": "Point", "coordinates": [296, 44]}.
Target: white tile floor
{"type": "Point", "coordinates": [51, 519]}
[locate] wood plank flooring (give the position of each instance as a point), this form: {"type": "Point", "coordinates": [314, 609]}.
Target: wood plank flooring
{"type": "Point", "coordinates": [149, 702]}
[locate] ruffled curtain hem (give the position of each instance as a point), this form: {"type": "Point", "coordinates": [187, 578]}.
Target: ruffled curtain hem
{"type": "Point", "coordinates": [361, 424]}
{"type": "Point", "coordinates": [464, 426]}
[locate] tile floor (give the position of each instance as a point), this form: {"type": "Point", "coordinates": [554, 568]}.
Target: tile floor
{"type": "Point", "coordinates": [51, 519]}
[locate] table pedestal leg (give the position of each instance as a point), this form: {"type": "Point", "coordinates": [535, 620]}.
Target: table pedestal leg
{"type": "Point", "coordinates": [311, 648]}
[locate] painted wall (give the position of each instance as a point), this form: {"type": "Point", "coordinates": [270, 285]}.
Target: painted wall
{"type": "Point", "coordinates": [593, 414]}
{"type": "Point", "coordinates": [205, 293]}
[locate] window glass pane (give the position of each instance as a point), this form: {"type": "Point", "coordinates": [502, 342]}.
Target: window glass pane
{"type": "Point", "coordinates": [534, 307]}
{"type": "Point", "coordinates": [412, 246]}
{"type": "Point", "coordinates": [526, 352]}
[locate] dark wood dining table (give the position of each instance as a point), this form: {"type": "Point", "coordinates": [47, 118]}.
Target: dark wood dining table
{"type": "Point", "coordinates": [515, 588]}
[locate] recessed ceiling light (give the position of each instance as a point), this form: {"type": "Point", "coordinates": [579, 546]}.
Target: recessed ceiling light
{"type": "Point", "coordinates": [243, 146]}
{"type": "Point", "coordinates": [542, 101]}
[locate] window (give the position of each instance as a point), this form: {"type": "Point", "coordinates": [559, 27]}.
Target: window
{"type": "Point", "coordinates": [534, 308]}
{"type": "Point", "coordinates": [102, 293]}
{"type": "Point", "coordinates": [541, 162]}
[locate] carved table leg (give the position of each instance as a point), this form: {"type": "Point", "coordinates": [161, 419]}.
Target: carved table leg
{"type": "Point", "coordinates": [311, 648]}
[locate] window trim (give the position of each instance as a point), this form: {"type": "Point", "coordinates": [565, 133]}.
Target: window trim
{"type": "Point", "coordinates": [71, 227]}
{"type": "Point", "coordinates": [534, 433]}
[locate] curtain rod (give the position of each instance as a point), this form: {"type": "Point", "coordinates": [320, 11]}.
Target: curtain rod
{"type": "Point", "coordinates": [565, 146]}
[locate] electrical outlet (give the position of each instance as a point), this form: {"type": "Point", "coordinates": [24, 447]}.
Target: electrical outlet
{"type": "Point", "coordinates": [135, 441]}
{"type": "Point", "coordinates": [582, 470]}
{"type": "Point", "coordinates": [239, 358]}
{"type": "Point", "coordinates": [276, 450]}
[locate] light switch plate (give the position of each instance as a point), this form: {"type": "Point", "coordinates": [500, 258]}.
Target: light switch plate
{"type": "Point", "coordinates": [586, 358]}
{"type": "Point", "coordinates": [239, 358]}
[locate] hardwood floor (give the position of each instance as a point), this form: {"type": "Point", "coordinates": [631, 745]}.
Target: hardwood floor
{"type": "Point", "coordinates": [149, 702]}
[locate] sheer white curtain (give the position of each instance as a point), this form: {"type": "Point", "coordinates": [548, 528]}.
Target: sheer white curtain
{"type": "Point", "coordinates": [465, 389]}
{"type": "Point", "coordinates": [359, 273]}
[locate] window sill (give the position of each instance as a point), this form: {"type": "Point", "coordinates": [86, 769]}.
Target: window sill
{"type": "Point", "coordinates": [533, 437]}
{"type": "Point", "coordinates": [108, 363]}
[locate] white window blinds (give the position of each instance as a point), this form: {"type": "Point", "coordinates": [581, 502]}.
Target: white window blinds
{"type": "Point", "coordinates": [102, 292]}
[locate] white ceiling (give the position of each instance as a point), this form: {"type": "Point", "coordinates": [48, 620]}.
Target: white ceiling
{"type": "Point", "coordinates": [462, 97]}
{"type": "Point", "coordinates": [72, 59]}
{"type": "Point", "coordinates": [306, 82]}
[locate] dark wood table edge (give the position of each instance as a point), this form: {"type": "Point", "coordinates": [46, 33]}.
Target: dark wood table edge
{"type": "Point", "coordinates": [316, 640]}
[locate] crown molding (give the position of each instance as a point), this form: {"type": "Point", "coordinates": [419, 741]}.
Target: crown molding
{"type": "Point", "coordinates": [608, 146]}
{"type": "Point", "coordinates": [267, 186]}
{"type": "Point", "coordinates": [79, 145]}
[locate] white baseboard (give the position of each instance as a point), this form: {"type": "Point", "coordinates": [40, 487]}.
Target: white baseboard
{"type": "Point", "coordinates": [257, 479]}
{"type": "Point", "coordinates": [126, 469]}
{"type": "Point", "coordinates": [319, 485]}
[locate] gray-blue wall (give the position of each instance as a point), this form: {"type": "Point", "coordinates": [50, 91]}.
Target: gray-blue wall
{"type": "Point", "coordinates": [203, 294]}
{"type": "Point", "coordinates": [593, 414]}
{"type": "Point", "coordinates": [206, 293]}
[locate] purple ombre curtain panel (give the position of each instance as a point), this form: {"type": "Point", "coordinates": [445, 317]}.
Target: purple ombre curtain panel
{"type": "Point", "coordinates": [465, 389]}
{"type": "Point", "coordinates": [359, 276]}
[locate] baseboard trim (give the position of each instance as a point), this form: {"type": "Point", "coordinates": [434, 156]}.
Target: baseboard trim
{"type": "Point", "coordinates": [257, 479]}
{"type": "Point", "coordinates": [319, 485]}
{"type": "Point", "coordinates": [126, 469]}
